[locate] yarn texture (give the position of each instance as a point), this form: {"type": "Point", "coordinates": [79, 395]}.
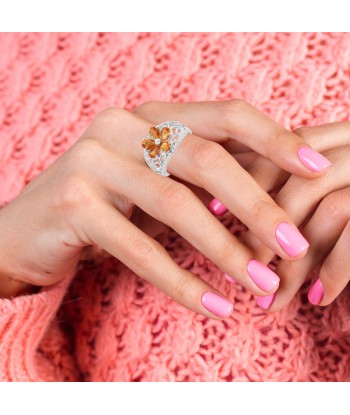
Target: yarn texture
{"type": "Point", "coordinates": [105, 323]}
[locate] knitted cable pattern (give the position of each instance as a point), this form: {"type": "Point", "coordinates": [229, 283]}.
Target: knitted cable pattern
{"type": "Point", "coordinates": [112, 325]}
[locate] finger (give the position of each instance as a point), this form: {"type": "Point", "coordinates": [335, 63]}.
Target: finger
{"type": "Point", "coordinates": [246, 159]}
{"type": "Point", "coordinates": [148, 259]}
{"type": "Point", "coordinates": [174, 204]}
{"type": "Point", "coordinates": [205, 164]}
{"type": "Point", "coordinates": [236, 119]}
{"type": "Point", "coordinates": [322, 138]}
{"type": "Point", "coordinates": [326, 136]}
{"type": "Point", "coordinates": [299, 197]}
{"type": "Point", "coordinates": [334, 273]}
{"type": "Point", "coordinates": [269, 176]}
{"type": "Point", "coordinates": [323, 231]}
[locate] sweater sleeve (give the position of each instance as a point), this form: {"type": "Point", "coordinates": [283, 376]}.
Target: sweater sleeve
{"type": "Point", "coordinates": [23, 323]}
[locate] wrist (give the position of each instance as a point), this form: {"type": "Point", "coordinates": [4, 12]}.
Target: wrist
{"type": "Point", "coordinates": [9, 285]}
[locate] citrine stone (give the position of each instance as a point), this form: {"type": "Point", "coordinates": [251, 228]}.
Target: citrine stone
{"type": "Point", "coordinates": [153, 132]}
{"type": "Point", "coordinates": [154, 152]}
{"type": "Point", "coordinates": [165, 146]}
{"type": "Point", "coordinates": [165, 133]}
{"type": "Point", "coordinates": [148, 144]}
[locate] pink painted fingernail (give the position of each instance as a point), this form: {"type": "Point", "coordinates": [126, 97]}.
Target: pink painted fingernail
{"type": "Point", "coordinates": [316, 293]}
{"type": "Point", "coordinates": [312, 159]}
{"type": "Point", "coordinates": [216, 207]}
{"type": "Point", "coordinates": [216, 304]}
{"type": "Point", "coordinates": [262, 275]}
{"type": "Point", "coordinates": [230, 279]}
{"type": "Point", "coordinates": [290, 239]}
{"type": "Point", "coordinates": [266, 302]}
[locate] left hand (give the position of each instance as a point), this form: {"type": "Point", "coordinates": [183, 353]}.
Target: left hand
{"type": "Point", "coordinates": [322, 206]}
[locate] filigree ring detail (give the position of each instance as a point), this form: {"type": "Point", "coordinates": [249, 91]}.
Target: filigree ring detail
{"type": "Point", "coordinates": [161, 143]}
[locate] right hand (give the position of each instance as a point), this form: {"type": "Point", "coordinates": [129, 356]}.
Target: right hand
{"type": "Point", "coordinates": [102, 193]}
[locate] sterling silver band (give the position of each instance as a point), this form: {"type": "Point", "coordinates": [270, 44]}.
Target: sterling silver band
{"type": "Point", "coordinates": [159, 163]}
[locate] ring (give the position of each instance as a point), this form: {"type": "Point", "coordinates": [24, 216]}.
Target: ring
{"type": "Point", "coordinates": [161, 143]}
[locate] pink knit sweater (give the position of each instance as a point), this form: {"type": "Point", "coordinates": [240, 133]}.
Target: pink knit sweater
{"type": "Point", "coordinates": [108, 324]}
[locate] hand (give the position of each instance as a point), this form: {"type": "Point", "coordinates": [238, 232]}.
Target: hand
{"type": "Point", "coordinates": [322, 207]}
{"type": "Point", "coordinates": [102, 193]}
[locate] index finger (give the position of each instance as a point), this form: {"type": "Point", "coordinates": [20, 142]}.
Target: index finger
{"type": "Point", "coordinates": [236, 119]}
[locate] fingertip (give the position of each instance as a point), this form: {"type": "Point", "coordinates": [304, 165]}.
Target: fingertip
{"type": "Point", "coordinates": [313, 160]}
{"type": "Point", "coordinates": [263, 276]}
{"type": "Point", "coordinates": [266, 302]}
{"type": "Point", "coordinates": [216, 304]}
{"type": "Point", "coordinates": [316, 293]}
{"type": "Point", "coordinates": [230, 279]}
{"type": "Point", "coordinates": [291, 240]}
{"type": "Point", "coordinates": [217, 208]}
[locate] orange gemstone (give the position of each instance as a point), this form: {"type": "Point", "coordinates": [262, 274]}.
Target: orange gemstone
{"type": "Point", "coordinates": [154, 152]}
{"type": "Point", "coordinates": [165, 146]}
{"type": "Point", "coordinates": [148, 144]}
{"type": "Point", "coordinates": [165, 133]}
{"type": "Point", "coordinates": [153, 132]}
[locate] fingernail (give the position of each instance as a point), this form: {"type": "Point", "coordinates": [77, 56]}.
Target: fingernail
{"type": "Point", "coordinates": [266, 302]}
{"type": "Point", "coordinates": [230, 279]}
{"type": "Point", "coordinates": [312, 159]}
{"type": "Point", "coordinates": [262, 275]}
{"type": "Point", "coordinates": [290, 239]}
{"type": "Point", "coordinates": [316, 293]}
{"type": "Point", "coordinates": [216, 207]}
{"type": "Point", "coordinates": [216, 304]}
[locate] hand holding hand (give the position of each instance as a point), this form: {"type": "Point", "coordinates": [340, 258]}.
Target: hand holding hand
{"type": "Point", "coordinates": [322, 208]}
{"type": "Point", "coordinates": [102, 193]}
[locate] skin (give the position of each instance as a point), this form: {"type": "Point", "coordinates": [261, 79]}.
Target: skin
{"type": "Point", "coordinates": [320, 206]}
{"type": "Point", "coordinates": [101, 193]}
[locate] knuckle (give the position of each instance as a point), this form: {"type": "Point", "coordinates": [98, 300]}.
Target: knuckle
{"type": "Point", "coordinates": [175, 197]}
{"type": "Point", "coordinates": [85, 148]}
{"type": "Point", "coordinates": [207, 154]}
{"type": "Point", "coordinates": [143, 252]}
{"type": "Point", "coordinates": [299, 186]}
{"type": "Point", "coordinates": [234, 106]}
{"type": "Point", "coordinates": [226, 249]}
{"type": "Point", "coordinates": [75, 191]}
{"type": "Point", "coordinates": [261, 209]}
{"type": "Point", "coordinates": [83, 153]}
{"type": "Point", "coordinates": [109, 113]}
{"type": "Point", "coordinates": [333, 204]}
{"type": "Point", "coordinates": [112, 116]}
{"type": "Point", "coordinates": [280, 138]}
{"type": "Point", "coordinates": [146, 107]}
{"type": "Point", "coordinates": [231, 109]}
{"type": "Point", "coordinates": [180, 286]}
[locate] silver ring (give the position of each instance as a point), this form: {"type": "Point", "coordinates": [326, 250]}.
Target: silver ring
{"type": "Point", "coordinates": [161, 143]}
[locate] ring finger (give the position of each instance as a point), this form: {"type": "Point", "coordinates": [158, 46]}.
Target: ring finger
{"type": "Point", "coordinates": [207, 164]}
{"type": "Point", "coordinates": [171, 202]}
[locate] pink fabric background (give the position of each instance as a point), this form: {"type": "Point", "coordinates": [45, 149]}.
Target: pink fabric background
{"type": "Point", "coordinates": [112, 325]}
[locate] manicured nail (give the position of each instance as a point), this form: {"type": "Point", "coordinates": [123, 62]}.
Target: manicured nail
{"type": "Point", "coordinates": [230, 279]}
{"type": "Point", "coordinates": [266, 302]}
{"type": "Point", "coordinates": [262, 275]}
{"type": "Point", "coordinates": [316, 293]}
{"type": "Point", "coordinates": [216, 304]}
{"type": "Point", "coordinates": [312, 159]}
{"type": "Point", "coordinates": [290, 239]}
{"type": "Point", "coordinates": [216, 207]}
